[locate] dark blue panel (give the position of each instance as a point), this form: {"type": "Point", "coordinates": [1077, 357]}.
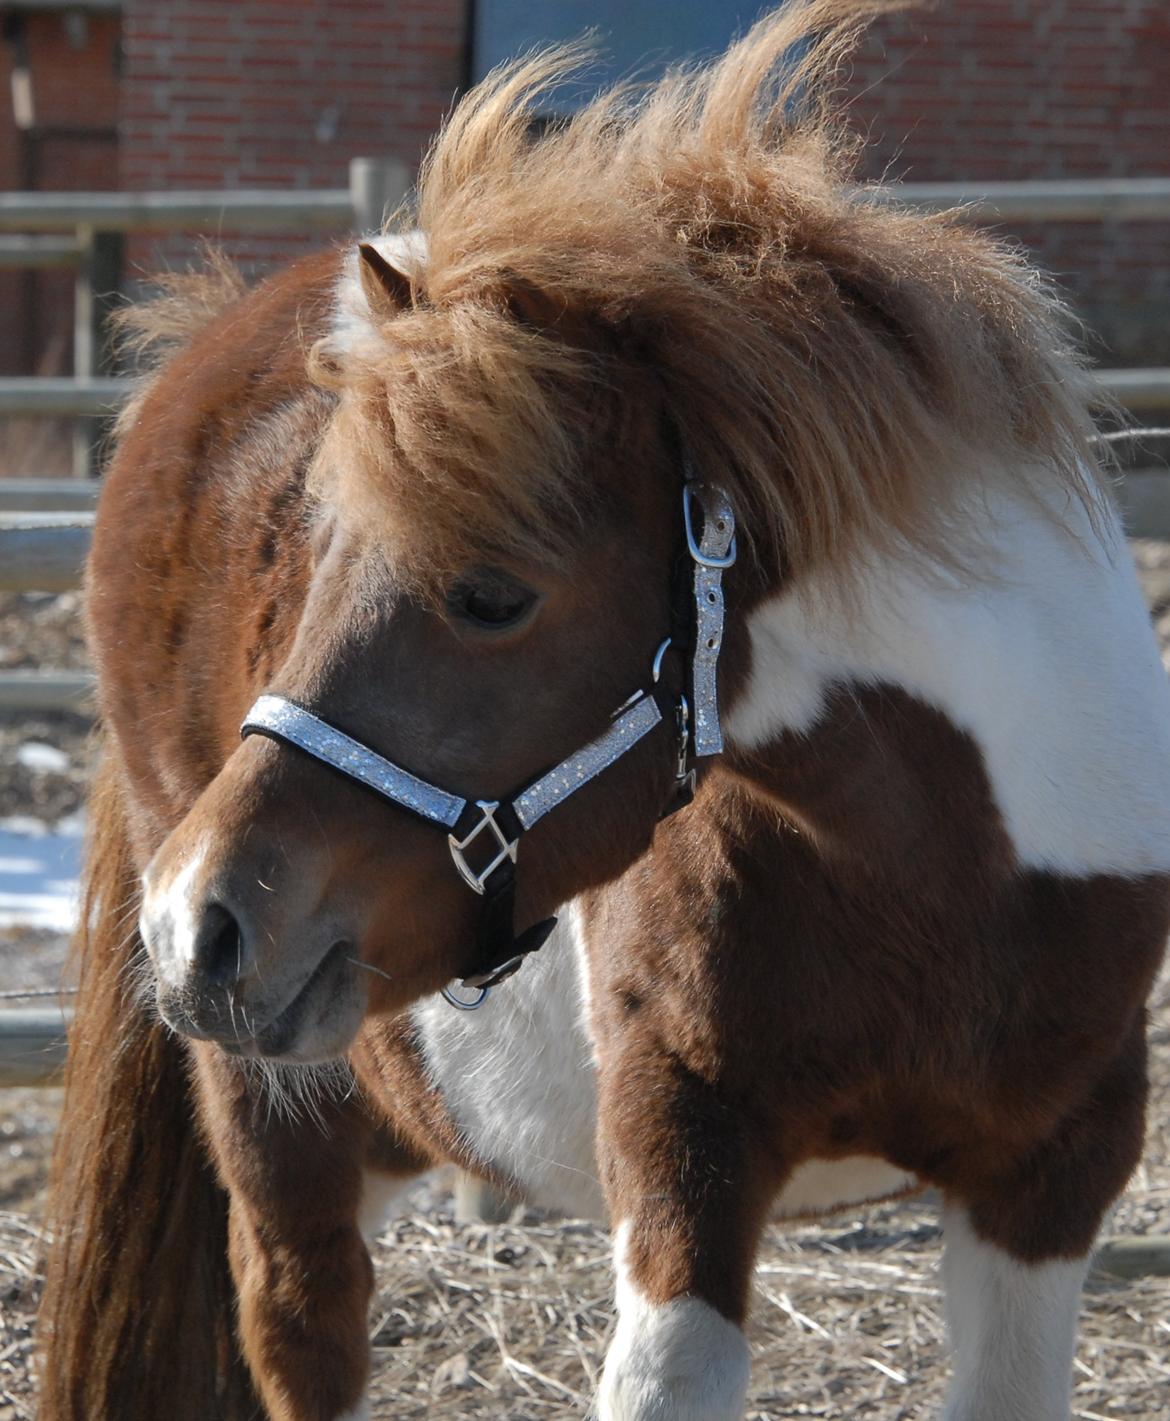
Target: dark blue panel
{"type": "Point", "coordinates": [638, 38]}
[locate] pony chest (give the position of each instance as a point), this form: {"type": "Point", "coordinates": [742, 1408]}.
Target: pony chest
{"type": "Point", "coordinates": [518, 1079]}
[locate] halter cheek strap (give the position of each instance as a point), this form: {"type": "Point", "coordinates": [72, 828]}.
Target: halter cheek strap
{"type": "Point", "coordinates": [490, 830]}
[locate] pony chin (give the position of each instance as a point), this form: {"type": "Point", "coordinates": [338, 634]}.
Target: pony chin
{"type": "Point", "coordinates": [319, 1025]}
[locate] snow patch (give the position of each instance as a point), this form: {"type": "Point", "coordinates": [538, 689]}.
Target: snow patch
{"type": "Point", "coordinates": [43, 759]}
{"type": "Point", "coordinates": [39, 869]}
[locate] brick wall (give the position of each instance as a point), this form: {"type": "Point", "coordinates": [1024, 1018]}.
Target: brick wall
{"type": "Point", "coordinates": [978, 89]}
{"type": "Point", "coordinates": [71, 146]}
{"type": "Point", "coordinates": [258, 93]}
{"type": "Point", "coordinates": [280, 93]}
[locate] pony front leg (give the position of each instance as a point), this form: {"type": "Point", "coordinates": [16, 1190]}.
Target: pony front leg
{"type": "Point", "coordinates": [1013, 1328]}
{"type": "Point", "coordinates": [688, 1203]}
{"type": "Point", "coordinates": [1018, 1246]}
{"type": "Point", "coordinates": [294, 1172]}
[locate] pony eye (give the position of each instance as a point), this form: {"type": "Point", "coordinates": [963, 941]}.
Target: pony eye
{"type": "Point", "coordinates": [490, 600]}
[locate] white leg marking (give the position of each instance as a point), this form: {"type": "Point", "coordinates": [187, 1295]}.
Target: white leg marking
{"type": "Point", "coordinates": [678, 1361]}
{"type": "Point", "coordinates": [1013, 1329]}
{"type": "Point", "coordinates": [380, 1193]}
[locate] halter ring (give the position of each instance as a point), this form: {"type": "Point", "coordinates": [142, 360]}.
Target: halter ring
{"type": "Point", "coordinates": [506, 848]}
{"type": "Point", "coordinates": [458, 1002]}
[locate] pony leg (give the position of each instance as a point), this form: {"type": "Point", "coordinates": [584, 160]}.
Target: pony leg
{"type": "Point", "coordinates": [1013, 1328]}
{"type": "Point", "coordinates": [1017, 1253]}
{"type": "Point", "coordinates": [688, 1202]}
{"type": "Point", "coordinates": [295, 1178]}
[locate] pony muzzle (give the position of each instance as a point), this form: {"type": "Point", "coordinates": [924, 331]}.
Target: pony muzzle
{"type": "Point", "coordinates": [305, 1003]}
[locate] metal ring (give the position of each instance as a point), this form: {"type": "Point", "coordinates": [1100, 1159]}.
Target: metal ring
{"type": "Point", "coordinates": [656, 669]}
{"type": "Point", "coordinates": [459, 1004]}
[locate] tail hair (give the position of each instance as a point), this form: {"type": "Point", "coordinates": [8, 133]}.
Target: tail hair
{"type": "Point", "coordinates": [136, 1320]}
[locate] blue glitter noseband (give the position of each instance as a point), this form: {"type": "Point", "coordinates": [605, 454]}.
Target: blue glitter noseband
{"type": "Point", "coordinates": [492, 827]}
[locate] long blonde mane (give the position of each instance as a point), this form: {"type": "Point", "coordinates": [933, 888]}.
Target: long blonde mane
{"type": "Point", "coordinates": [848, 369]}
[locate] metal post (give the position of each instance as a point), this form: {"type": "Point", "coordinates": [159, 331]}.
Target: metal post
{"type": "Point", "coordinates": [376, 187]}
{"type": "Point", "coordinates": [95, 293]}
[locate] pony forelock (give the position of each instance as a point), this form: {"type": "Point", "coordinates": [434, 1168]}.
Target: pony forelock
{"type": "Point", "coordinates": [850, 370]}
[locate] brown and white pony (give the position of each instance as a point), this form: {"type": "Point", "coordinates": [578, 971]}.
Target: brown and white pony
{"type": "Point", "coordinates": [431, 496]}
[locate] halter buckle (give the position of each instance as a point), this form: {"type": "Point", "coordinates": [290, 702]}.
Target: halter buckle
{"type": "Point", "coordinates": [684, 779]}
{"type": "Point", "coordinates": [505, 847]}
{"type": "Point", "coordinates": [713, 503]}
{"type": "Point", "coordinates": [682, 724]}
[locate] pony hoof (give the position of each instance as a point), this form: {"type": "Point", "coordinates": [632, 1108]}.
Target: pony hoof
{"type": "Point", "coordinates": [679, 1361]}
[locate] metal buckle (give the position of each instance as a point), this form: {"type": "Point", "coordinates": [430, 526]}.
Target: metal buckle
{"type": "Point", "coordinates": [507, 848]}
{"type": "Point", "coordinates": [696, 552]}
{"type": "Point", "coordinates": [682, 720]}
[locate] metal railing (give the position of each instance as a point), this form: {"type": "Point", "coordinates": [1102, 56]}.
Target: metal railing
{"type": "Point", "coordinates": [85, 231]}
{"type": "Point", "coordinates": [33, 1050]}
{"type": "Point", "coordinates": [32, 1045]}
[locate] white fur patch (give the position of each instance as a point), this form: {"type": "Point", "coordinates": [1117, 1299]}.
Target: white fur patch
{"type": "Point", "coordinates": [1013, 1329]}
{"type": "Point", "coordinates": [518, 1076]}
{"type": "Point", "coordinates": [819, 1186]}
{"type": "Point", "coordinates": [404, 251]}
{"type": "Point", "coordinates": [676, 1361]}
{"type": "Point", "coordinates": [170, 915]}
{"type": "Point", "coordinates": [1050, 666]}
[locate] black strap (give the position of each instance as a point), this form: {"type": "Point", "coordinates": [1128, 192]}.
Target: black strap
{"type": "Point", "coordinates": [498, 950]}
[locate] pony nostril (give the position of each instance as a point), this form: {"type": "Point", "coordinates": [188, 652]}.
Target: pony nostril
{"type": "Point", "coordinates": [219, 947]}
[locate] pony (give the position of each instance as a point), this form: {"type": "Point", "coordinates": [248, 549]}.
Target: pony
{"type": "Point", "coordinates": [717, 558]}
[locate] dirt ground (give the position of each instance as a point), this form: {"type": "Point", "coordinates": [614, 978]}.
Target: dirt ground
{"type": "Point", "coordinates": [512, 1321]}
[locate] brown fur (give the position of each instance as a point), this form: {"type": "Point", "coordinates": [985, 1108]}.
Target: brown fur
{"type": "Point", "coordinates": [1023, 1098]}
{"type": "Point", "coordinates": [139, 1221]}
{"type": "Point", "coordinates": [762, 967]}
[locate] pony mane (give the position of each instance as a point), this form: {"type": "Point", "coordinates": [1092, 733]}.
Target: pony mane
{"type": "Point", "coordinates": [851, 371]}
{"type": "Point", "coordinates": [149, 331]}
{"type": "Point", "coordinates": [181, 303]}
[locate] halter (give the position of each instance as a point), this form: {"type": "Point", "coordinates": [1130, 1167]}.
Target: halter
{"type": "Point", "coordinates": [492, 829]}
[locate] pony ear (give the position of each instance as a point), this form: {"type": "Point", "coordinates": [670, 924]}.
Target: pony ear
{"type": "Point", "coordinates": [531, 306]}
{"type": "Point", "coordinates": [386, 289]}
